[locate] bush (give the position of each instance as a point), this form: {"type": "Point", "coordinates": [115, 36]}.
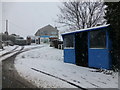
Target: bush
{"type": "Point", "coordinates": [55, 43]}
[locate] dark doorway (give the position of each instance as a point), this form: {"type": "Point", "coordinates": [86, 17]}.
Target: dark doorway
{"type": "Point", "coordinates": [81, 48]}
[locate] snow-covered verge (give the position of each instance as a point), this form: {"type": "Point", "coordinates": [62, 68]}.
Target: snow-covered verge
{"type": "Point", "coordinates": [44, 67]}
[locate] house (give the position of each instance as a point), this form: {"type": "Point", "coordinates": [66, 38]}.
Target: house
{"type": "Point", "coordinates": [88, 47]}
{"type": "Point", "coordinates": [44, 34]}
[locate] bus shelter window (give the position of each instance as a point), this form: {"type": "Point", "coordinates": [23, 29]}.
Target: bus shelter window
{"type": "Point", "coordinates": [68, 41]}
{"type": "Point", "coordinates": [98, 39]}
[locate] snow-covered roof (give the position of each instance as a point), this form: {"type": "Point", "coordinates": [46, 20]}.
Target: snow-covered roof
{"type": "Point", "coordinates": [87, 29]}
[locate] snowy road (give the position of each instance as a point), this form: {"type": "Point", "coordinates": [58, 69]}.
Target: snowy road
{"type": "Point", "coordinates": [7, 52]}
{"type": "Point", "coordinates": [10, 77]}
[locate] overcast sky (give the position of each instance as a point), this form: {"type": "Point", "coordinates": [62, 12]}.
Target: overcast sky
{"type": "Point", "coordinates": [25, 18]}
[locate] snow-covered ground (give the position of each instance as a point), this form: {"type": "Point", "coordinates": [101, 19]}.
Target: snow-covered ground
{"type": "Point", "coordinates": [32, 46]}
{"type": "Point", "coordinates": [44, 67]}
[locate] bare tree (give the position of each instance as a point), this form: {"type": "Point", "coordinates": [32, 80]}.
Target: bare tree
{"type": "Point", "coordinates": [79, 15]}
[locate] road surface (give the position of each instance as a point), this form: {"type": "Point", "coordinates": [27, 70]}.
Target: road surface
{"type": "Point", "coordinates": [10, 77]}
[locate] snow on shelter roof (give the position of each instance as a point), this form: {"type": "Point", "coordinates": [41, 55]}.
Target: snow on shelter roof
{"type": "Point", "coordinates": [87, 29]}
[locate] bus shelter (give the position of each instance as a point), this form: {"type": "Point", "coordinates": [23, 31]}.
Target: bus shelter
{"type": "Point", "coordinates": [88, 47]}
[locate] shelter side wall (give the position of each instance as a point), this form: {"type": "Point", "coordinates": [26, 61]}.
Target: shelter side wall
{"type": "Point", "coordinates": [99, 58]}
{"type": "Point", "coordinates": [109, 48]}
{"type": "Point", "coordinates": [69, 56]}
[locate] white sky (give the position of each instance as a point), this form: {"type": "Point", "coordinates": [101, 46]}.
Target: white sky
{"type": "Point", "coordinates": [34, 0]}
{"type": "Point", "coordinates": [25, 18]}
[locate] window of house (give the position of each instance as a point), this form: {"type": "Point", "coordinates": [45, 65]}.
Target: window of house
{"type": "Point", "coordinates": [98, 39]}
{"type": "Point", "coordinates": [68, 41]}
{"type": "Point", "coordinates": [53, 33]}
{"type": "Point", "coordinates": [42, 40]}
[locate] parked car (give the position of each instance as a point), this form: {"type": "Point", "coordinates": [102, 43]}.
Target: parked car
{"type": "Point", "coordinates": [20, 42]}
{"type": "Point", "coordinates": [8, 42]}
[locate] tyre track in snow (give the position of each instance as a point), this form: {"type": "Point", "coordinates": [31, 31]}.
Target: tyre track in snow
{"type": "Point", "coordinates": [11, 53]}
{"type": "Point", "coordinates": [13, 50]}
{"type": "Point", "coordinates": [59, 79]}
{"type": "Point", "coordinates": [10, 76]}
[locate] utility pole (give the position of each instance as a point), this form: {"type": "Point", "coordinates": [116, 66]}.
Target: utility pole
{"type": "Point", "coordinates": [6, 27]}
{"type": "Point", "coordinates": [1, 39]}
{"type": "Point", "coordinates": [1, 42]}
{"type": "Point", "coordinates": [6, 32]}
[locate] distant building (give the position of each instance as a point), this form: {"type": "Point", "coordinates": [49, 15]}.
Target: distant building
{"type": "Point", "coordinates": [46, 33]}
{"type": "Point", "coordinates": [32, 38]}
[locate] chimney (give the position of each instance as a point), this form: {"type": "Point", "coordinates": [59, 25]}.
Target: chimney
{"type": "Point", "coordinates": [55, 27]}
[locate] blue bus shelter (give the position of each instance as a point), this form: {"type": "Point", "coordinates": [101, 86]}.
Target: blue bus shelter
{"type": "Point", "coordinates": [88, 47]}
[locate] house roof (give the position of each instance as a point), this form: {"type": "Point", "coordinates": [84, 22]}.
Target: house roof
{"type": "Point", "coordinates": [87, 29]}
{"type": "Point", "coordinates": [48, 27]}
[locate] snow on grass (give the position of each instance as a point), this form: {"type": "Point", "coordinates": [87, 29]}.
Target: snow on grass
{"type": "Point", "coordinates": [50, 60]}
